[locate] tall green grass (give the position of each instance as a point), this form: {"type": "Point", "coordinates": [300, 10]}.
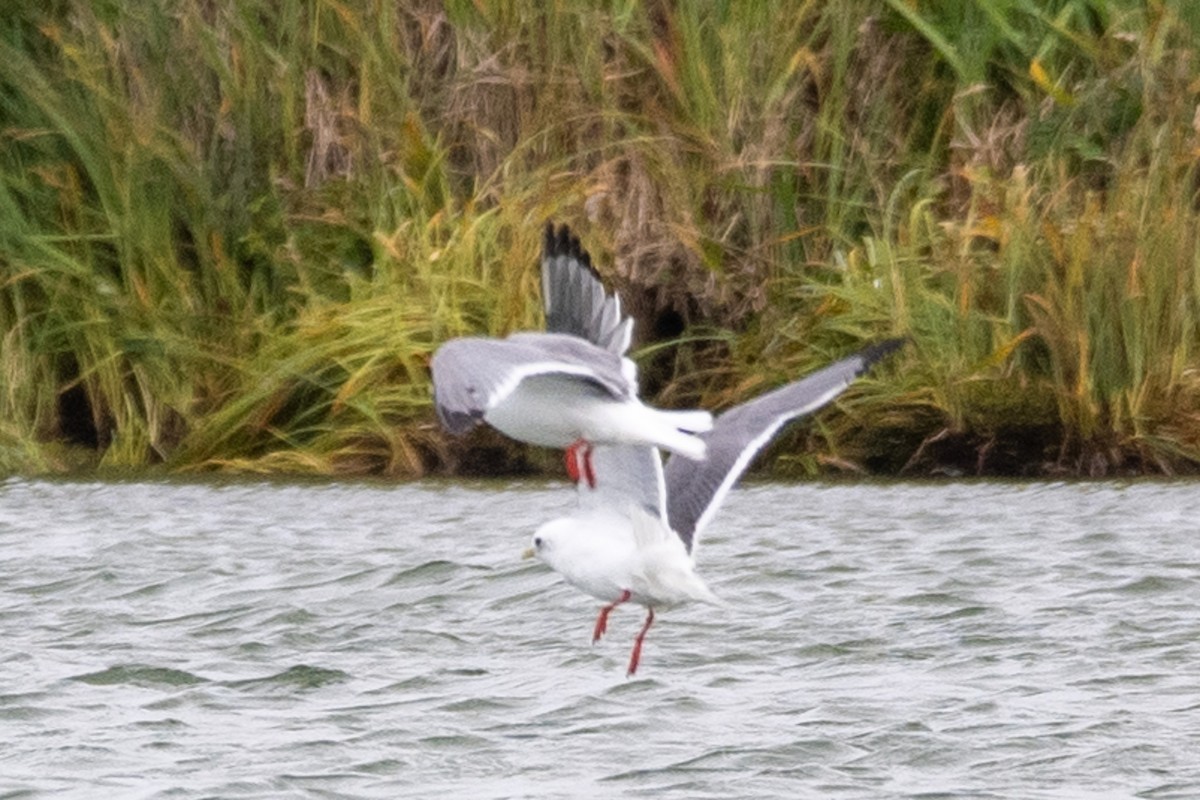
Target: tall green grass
{"type": "Point", "coordinates": [231, 235]}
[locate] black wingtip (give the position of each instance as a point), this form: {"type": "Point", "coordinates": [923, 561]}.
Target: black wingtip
{"type": "Point", "coordinates": [457, 422]}
{"type": "Point", "coordinates": [881, 350]}
{"type": "Point", "coordinates": [561, 242]}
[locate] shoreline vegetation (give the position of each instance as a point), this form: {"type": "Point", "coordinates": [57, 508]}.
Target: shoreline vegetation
{"type": "Point", "coordinates": [231, 235]}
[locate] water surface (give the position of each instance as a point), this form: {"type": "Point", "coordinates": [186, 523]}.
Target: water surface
{"type": "Point", "coordinates": [897, 640]}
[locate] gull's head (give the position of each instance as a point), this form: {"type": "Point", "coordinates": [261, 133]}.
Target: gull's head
{"type": "Point", "coordinates": [547, 540]}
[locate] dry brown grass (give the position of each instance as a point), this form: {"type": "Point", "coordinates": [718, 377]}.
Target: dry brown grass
{"type": "Point", "coordinates": [232, 235]}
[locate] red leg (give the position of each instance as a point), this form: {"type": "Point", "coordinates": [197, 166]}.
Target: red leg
{"type": "Point", "coordinates": [602, 620]}
{"type": "Point", "coordinates": [575, 468]}
{"type": "Point", "coordinates": [637, 644]}
{"type": "Point", "coordinates": [579, 462]}
{"type": "Point", "coordinates": [588, 472]}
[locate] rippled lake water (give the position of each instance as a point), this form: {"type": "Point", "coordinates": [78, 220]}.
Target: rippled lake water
{"type": "Point", "coordinates": [364, 640]}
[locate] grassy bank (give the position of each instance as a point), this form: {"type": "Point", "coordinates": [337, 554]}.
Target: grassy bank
{"type": "Point", "coordinates": [231, 237]}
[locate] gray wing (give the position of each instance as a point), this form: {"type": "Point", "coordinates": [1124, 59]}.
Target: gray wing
{"type": "Point", "coordinates": [695, 489]}
{"type": "Point", "coordinates": [574, 296]}
{"type": "Point", "coordinates": [577, 305]}
{"type": "Point", "coordinates": [626, 475]}
{"type": "Point", "coordinates": [471, 375]}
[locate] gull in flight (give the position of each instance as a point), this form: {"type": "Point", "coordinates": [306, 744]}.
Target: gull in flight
{"type": "Point", "coordinates": [570, 387]}
{"type": "Point", "coordinates": [633, 537]}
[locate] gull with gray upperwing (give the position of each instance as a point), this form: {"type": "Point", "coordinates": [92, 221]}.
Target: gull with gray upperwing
{"type": "Point", "coordinates": [571, 386]}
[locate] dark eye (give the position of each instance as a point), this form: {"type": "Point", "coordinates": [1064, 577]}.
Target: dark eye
{"type": "Point", "coordinates": [537, 542]}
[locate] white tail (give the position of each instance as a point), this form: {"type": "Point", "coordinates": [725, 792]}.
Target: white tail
{"type": "Point", "coordinates": [687, 445]}
{"type": "Point", "coordinates": [677, 432]}
{"type": "Point", "coordinates": [666, 572]}
{"type": "Point", "coordinates": [690, 421]}
{"type": "Point", "coordinates": [634, 423]}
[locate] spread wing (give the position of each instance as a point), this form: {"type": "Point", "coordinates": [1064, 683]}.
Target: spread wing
{"type": "Point", "coordinates": [696, 489]}
{"type": "Point", "coordinates": [574, 296]}
{"type": "Point", "coordinates": [471, 375]}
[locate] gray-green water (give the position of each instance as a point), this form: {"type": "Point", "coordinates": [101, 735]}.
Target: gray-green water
{"type": "Point", "coordinates": [259, 640]}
